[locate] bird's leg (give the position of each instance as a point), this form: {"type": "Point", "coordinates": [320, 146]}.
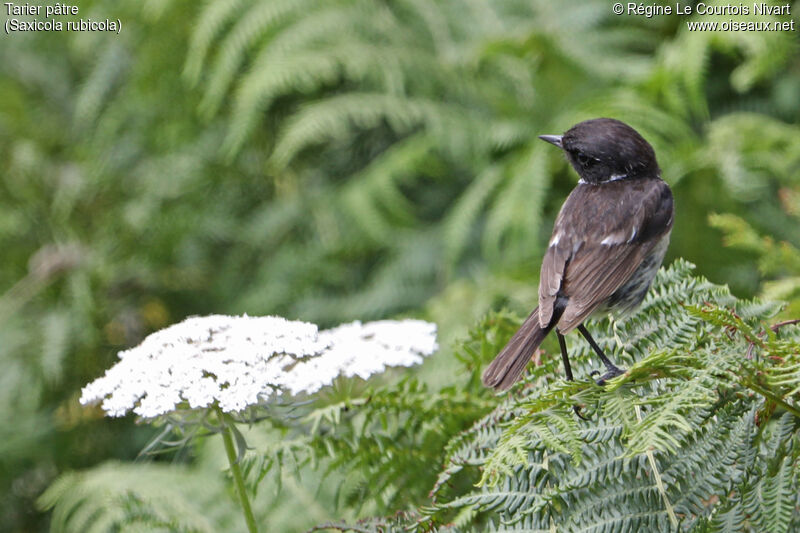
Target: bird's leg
{"type": "Point", "coordinates": [564, 357]}
{"type": "Point", "coordinates": [612, 370]}
{"type": "Point", "coordinates": [568, 369]}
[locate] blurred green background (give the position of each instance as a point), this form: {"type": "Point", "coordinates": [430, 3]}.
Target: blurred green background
{"type": "Point", "coordinates": [340, 160]}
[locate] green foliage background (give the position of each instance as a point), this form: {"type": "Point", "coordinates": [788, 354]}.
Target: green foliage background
{"type": "Point", "coordinates": [336, 160]}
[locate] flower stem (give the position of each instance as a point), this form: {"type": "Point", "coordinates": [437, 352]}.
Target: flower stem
{"type": "Point", "coordinates": [238, 480]}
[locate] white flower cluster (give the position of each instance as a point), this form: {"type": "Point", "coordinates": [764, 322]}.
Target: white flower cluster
{"type": "Point", "coordinates": [238, 361]}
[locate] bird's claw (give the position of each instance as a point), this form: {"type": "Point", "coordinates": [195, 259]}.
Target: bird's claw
{"type": "Point", "coordinates": [613, 372]}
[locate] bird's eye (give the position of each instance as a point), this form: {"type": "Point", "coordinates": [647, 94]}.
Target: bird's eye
{"type": "Point", "coordinates": [585, 160]}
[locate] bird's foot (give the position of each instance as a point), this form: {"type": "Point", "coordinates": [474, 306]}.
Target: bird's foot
{"type": "Point", "coordinates": [577, 409]}
{"type": "Point", "coordinates": [612, 372]}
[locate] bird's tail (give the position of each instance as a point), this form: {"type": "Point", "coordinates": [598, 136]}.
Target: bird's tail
{"type": "Point", "coordinates": [509, 364]}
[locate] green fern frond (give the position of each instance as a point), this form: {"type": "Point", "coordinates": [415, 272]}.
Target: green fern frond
{"type": "Point", "coordinates": [749, 167]}
{"type": "Point", "coordinates": [702, 401]}
{"type": "Point", "coordinates": [708, 462]}
{"type": "Point", "coordinates": [517, 210]}
{"type": "Point", "coordinates": [775, 257]}
{"type": "Point", "coordinates": [461, 222]}
{"type": "Point", "coordinates": [274, 75]}
{"type": "Point", "coordinates": [778, 495]}
{"type": "Point", "coordinates": [396, 524]}
{"type": "Point", "coordinates": [329, 23]}
{"type": "Point", "coordinates": [255, 21]}
{"type": "Point", "coordinates": [150, 497]}
{"type": "Point", "coordinates": [373, 198]}
{"type": "Point", "coordinates": [277, 456]}
{"type": "Point", "coordinates": [97, 88]}
{"type": "Point", "coordinates": [335, 116]}
{"type": "Point", "coordinates": [211, 21]}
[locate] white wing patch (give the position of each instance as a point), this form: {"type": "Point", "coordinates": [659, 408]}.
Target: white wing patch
{"type": "Point", "coordinates": [612, 239]}
{"type": "Point", "coordinates": [618, 237]}
{"type": "Point", "coordinates": [555, 239]}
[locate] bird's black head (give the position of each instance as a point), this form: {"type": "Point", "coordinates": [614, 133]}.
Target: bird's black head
{"type": "Point", "coordinates": [605, 149]}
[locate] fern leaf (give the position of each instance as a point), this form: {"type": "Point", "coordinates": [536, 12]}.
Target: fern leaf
{"type": "Point", "coordinates": [212, 19]}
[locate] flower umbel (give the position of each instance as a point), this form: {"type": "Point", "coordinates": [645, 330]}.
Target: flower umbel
{"type": "Point", "coordinates": [239, 361]}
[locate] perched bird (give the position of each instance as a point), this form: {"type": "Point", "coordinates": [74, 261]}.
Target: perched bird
{"type": "Point", "coordinates": [608, 242]}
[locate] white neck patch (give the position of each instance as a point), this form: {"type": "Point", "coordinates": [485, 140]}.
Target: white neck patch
{"type": "Point", "coordinates": [614, 177]}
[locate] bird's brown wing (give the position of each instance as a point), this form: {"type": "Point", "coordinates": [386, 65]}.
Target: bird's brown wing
{"type": "Point", "coordinates": [599, 240]}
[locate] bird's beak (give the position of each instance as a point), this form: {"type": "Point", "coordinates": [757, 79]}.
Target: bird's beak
{"type": "Point", "coordinates": [552, 139]}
